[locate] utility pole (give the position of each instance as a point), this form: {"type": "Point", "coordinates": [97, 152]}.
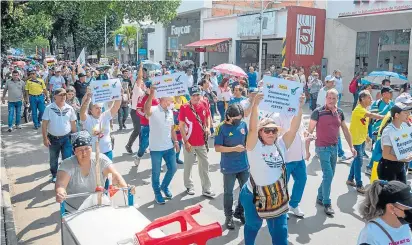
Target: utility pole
{"type": "Point", "coordinates": [105, 37]}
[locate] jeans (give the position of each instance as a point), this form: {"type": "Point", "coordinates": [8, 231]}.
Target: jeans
{"type": "Point", "coordinates": [228, 185]}
{"type": "Point", "coordinates": [341, 153]}
{"type": "Point", "coordinates": [14, 107]}
{"type": "Point", "coordinates": [298, 171]}
{"type": "Point", "coordinates": [180, 147]}
{"type": "Point", "coordinates": [170, 159]}
{"type": "Point", "coordinates": [59, 144]}
{"type": "Point", "coordinates": [313, 100]}
{"type": "Point", "coordinates": [136, 127]}
{"type": "Point", "coordinates": [221, 109]}
{"type": "Point", "coordinates": [356, 167]}
{"type": "Point", "coordinates": [212, 115]}
{"type": "Point", "coordinates": [143, 140]}
{"type": "Point", "coordinates": [328, 157]}
{"type": "Point", "coordinates": [391, 170]}
{"type": "Point", "coordinates": [109, 155]}
{"type": "Point", "coordinates": [37, 103]}
{"type": "Point", "coordinates": [122, 115]}
{"type": "Point", "coordinates": [278, 227]}
{"type": "Point", "coordinates": [339, 99]}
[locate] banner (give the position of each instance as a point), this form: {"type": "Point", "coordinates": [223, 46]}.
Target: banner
{"type": "Point", "coordinates": [281, 95]}
{"type": "Point", "coordinates": [106, 90]}
{"type": "Point", "coordinates": [402, 143]}
{"type": "Point", "coordinates": [82, 58]}
{"type": "Point", "coordinates": [171, 85]}
{"type": "Point", "coordinates": [104, 61]}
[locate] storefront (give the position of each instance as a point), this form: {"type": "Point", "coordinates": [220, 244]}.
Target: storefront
{"type": "Point", "coordinates": [368, 36]}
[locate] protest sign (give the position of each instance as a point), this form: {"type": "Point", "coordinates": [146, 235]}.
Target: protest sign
{"type": "Point", "coordinates": [402, 143]}
{"type": "Point", "coordinates": [281, 95]}
{"type": "Point", "coordinates": [171, 85]}
{"type": "Point", "coordinates": [105, 90]}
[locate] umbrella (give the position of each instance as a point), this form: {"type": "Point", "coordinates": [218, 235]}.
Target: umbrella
{"type": "Point", "coordinates": [230, 69]}
{"type": "Point", "coordinates": [377, 77]}
{"type": "Point", "coordinates": [186, 63]}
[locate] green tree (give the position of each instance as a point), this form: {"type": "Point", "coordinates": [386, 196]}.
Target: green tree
{"type": "Point", "coordinates": [129, 34]}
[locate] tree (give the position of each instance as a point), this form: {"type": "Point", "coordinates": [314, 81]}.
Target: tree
{"type": "Point", "coordinates": [129, 36]}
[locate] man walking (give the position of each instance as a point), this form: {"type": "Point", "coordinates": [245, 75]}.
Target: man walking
{"type": "Point", "coordinates": [59, 120]}
{"type": "Point", "coordinates": [15, 87]}
{"type": "Point", "coordinates": [36, 93]}
{"type": "Point", "coordinates": [163, 143]}
{"type": "Point", "coordinates": [194, 125]}
{"type": "Point", "coordinates": [327, 120]}
{"type": "Point", "coordinates": [57, 81]}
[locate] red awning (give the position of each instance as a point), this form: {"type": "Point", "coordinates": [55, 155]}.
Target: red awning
{"type": "Point", "coordinates": [206, 42]}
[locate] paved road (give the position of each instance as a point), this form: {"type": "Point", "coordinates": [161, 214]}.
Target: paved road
{"type": "Point", "coordinates": [36, 212]}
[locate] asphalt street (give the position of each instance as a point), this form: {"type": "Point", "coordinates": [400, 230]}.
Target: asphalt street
{"type": "Point", "coordinates": [37, 214]}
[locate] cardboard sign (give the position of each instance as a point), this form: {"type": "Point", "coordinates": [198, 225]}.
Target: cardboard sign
{"type": "Point", "coordinates": [106, 90]}
{"type": "Point", "coordinates": [402, 143]}
{"type": "Point", "coordinates": [281, 95]}
{"type": "Point", "coordinates": [171, 85]}
{"type": "Point", "coordinates": [104, 61]}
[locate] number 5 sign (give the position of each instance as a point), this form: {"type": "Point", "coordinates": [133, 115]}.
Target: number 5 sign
{"type": "Point", "coordinates": [305, 34]}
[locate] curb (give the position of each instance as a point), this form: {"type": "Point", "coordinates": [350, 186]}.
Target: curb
{"type": "Point", "coordinates": [7, 208]}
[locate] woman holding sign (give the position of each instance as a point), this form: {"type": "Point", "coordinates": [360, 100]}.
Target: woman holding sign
{"type": "Point", "coordinates": [390, 167]}
{"type": "Point", "coordinates": [265, 195]}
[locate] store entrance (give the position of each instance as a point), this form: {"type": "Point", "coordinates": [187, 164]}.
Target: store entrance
{"type": "Point", "coordinates": [247, 53]}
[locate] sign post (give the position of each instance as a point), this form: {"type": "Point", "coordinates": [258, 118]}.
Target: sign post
{"type": "Point", "coordinates": [402, 143]}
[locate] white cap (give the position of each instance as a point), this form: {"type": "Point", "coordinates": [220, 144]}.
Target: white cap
{"type": "Point", "coordinates": [329, 78]}
{"type": "Point", "coordinates": [404, 98]}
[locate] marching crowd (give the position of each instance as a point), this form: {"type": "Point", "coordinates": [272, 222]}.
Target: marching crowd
{"type": "Point", "coordinates": [260, 150]}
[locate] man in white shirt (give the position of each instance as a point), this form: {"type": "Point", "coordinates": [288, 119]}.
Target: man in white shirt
{"type": "Point", "coordinates": [59, 121]}
{"type": "Point", "coordinates": [163, 142]}
{"type": "Point", "coordinates": [213, 80]}
{"type": "Point", "coordinates": [338, 83]}
{"type": "Point", "coordinates": [57, 81]}
{"type": "Point", "coordinates": [329, 84]}
{"type": "Point", "coordinates": [189, 79]}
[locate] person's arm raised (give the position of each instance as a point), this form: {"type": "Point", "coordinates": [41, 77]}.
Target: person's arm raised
{"type": "Point", "coordinates": [85, 105]}
{"type": "Point", "coordinates": [148, 104]}
{"type": "Point", "coordinates": [252, 137]}
{"type": "Point", "coordinates": [290, 135]}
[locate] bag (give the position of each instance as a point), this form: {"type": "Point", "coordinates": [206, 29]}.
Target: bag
{"type": "Point", "coordinates": [205, 136]}
{"type": "Point", "coordinates": [272, 200]}
{"type": "Point", "coordinates": [384, 230]}
{"type": "Point", "coordinates": [353, 86]}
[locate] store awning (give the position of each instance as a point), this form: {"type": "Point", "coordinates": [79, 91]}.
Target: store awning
{"type": "Point", "coordinates": [206, 42]}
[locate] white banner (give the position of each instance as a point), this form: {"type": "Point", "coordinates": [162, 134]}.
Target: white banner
{"type": "Point", "coordinates": [82, 58]}
{"type": "Point", "coordinates": [402, 143]}
{"type": "Point", "coordinates": [281, 95]}
{"type": "Point", "coordinates": [106, 90]}
{"type": "Point", "coordinates": [305, 34]}
{"type": "Point", "coordinates": [171, 85]}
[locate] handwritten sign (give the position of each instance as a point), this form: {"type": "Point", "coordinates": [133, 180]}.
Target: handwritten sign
{"type": "Point", "coordinates": [171, 85]}
{"type": "Point", "coordinates": [402, 143]}
{"type": "Point", "coordinates": [106, 90]}
{"type": "Point", "coordinates": [281, 95]}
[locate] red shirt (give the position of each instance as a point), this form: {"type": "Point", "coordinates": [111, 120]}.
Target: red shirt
{"type": "Point", "coordinates": [140, 109]}
{"type": "Point", "coordinates": [193, 128]}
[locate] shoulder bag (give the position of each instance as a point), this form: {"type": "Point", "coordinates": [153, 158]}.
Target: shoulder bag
{"type": "Point", "coordinates": [205, 136]}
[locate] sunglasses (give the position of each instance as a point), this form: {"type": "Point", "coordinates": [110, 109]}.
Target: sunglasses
{"type": "Point", "coordinates": [270, 130]}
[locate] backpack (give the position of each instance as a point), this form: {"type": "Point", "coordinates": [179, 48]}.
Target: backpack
{"type": "Point", "coordinates": [353, 86]}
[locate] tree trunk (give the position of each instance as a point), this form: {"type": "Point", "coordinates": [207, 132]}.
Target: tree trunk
{"type": "Point", "coordinates": [76, 53]}
{"type": "Point", "coordinates": [130, 54]}
{"type": "Point", "coordinates": [99, 54]}
{"type": "Point", "coordinates": [51, 45]}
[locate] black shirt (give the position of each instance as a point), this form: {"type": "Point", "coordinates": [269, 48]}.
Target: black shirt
{"type": "Point", "coordinates": [81, 89]}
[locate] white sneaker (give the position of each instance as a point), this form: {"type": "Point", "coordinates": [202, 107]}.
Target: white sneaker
{"type": "Point", "coordinates": [137, 161]}
{"type": "Point", "coordinates": [296, 211]}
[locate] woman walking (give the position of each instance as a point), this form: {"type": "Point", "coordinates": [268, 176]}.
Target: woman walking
{"type": "Point", "coordinates": [223, 96]}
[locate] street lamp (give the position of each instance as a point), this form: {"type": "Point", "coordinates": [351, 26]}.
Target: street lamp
{"type": "Point", "coordinates": [262, 9]}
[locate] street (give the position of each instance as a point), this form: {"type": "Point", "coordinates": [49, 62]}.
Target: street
{"type": "Point", "coordinates": [37, 214]}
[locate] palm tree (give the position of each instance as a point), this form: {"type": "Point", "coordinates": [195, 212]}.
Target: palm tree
{"type": "Point", "coordinates": [129, 36]}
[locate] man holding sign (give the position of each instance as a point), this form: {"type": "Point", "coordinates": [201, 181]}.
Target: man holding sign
{"type": "Point", "coordinates": [396, 137]}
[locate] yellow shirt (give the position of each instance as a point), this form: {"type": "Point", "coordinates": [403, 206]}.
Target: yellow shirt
{"type": "Point", "coordinates": [359, 125]}
{"type": "Point", "coordinates": [35, 88]}
{"type": "Point", "coordinates": [183, 100]}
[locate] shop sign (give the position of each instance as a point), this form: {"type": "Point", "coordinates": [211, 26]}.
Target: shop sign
{"type": "Point", "coordinates": [200, 50]}
{"type": "Point", "coordinates": [219, 48]}
{"type": "Point", "coordinates": [249, 25]}
{"type": "Point", "coordinates": [180, 30]}
{"type": "Point", "coordinates": [365, 7]}
{"type": "Point", "coordinates": [305, 34]}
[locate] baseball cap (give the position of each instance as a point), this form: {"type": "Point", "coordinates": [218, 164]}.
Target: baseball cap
{"type": "Point", "coordinates": [329, 78]}
{"type": "Point", "coordinates": [399, 107]}
{"type": "Point", "coordinates": [386, 89]}
{"type": "Point", "coordinates": [404, 98]}
{"type": "Point", "coordinates": [59, 91]}
{"type": "Point", "coordinates": [196, 90]}
{"type": "Point", "coordinates": [395, 192]}
{"type": "Point", "coordinates": [81, 75]}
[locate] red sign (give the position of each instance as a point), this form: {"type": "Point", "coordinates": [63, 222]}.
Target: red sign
{"type": "Point", "coordinates": [200, 50]}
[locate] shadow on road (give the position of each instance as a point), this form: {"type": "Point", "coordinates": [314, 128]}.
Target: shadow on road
{"type": "Point", "coordinates": [53, 219]}
{"type": "Point", "coordinates": [347, 201]}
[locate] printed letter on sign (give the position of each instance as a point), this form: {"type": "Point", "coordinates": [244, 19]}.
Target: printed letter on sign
{"type": "Point", "coordinates": [305, 34]}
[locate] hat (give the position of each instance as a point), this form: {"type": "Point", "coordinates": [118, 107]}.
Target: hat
{"type": "Point", "coordinates": [399, 107]}
{"type": "Point", "coordinates": [329, 78]}
{"type": "Point", "coordinates": [404, 98]}
{"type": "Point", "coordinates": [395, 192]}
{"type": "Point", "coordinates": [81, 138]}
{"type": "Point", "coordinates": [81, 75]}
{"type": "Point", "coordinates": [386, 89]}
{"type": "Point", "coordinates": [253, 90]}
{"type": "Point", "coordinates": [267, 123]}
{"type": "Point", "coordinates": [196, 90]}
{"type": "Point", "coordinates": [59, 91]}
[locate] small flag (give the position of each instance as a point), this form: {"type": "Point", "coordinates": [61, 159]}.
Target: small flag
{"type": "Point", "coordinates": [82, 58]}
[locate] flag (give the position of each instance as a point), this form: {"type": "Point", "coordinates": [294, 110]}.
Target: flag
{"type": "Point", "coordinates": [82, 58]}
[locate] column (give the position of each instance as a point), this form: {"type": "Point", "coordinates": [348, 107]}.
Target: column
{"type": "Point", "coordinates": [410, 60]}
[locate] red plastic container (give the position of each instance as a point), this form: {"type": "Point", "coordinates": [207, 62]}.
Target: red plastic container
{"type": "Point", "coordinates": [197, 235]}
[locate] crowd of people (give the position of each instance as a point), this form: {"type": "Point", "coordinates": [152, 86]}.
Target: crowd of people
{"type": "Point", "coordinates": [261, 150]}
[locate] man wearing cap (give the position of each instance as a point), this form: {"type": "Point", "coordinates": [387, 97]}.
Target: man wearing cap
{"type": "Point", "coordinates": [194, 125]}
{"type": "Point", "coordinates": [57, 81]}
{"type": "Point", "coordinates": [59, 120]}
{"type": "Point", "coordinates": [15, 87]}
{"type": "Point", "coordinates": [81, 86]}
{"type": "Point", "coordinates": [36, 93]}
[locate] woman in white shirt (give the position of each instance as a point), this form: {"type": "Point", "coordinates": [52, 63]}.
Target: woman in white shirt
{"type": "Point", "coordinates": [97, 123]}
{"type": "Point", "coordinates": [266, 154]}
{"type": "Point", "coordinates": [390, 167]}
{"type": "Point", "coordinates": [387, 208]}
{"type": "Point", "coordinates": [223, 96]}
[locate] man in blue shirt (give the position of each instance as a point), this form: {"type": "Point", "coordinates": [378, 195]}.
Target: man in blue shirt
{"type": "Point", "coordinates": [230, 140]}
{"type": "Point", "coordinates": [252, 77]}
{"type": "Point", "coordinates": [237, 95]}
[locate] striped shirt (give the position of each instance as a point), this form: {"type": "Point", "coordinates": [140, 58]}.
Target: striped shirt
{"type": "Point", "coordinates": [327, 127]}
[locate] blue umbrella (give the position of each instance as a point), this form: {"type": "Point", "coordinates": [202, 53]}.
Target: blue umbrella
{"type": "Point", "coordinates": [377, 77]}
